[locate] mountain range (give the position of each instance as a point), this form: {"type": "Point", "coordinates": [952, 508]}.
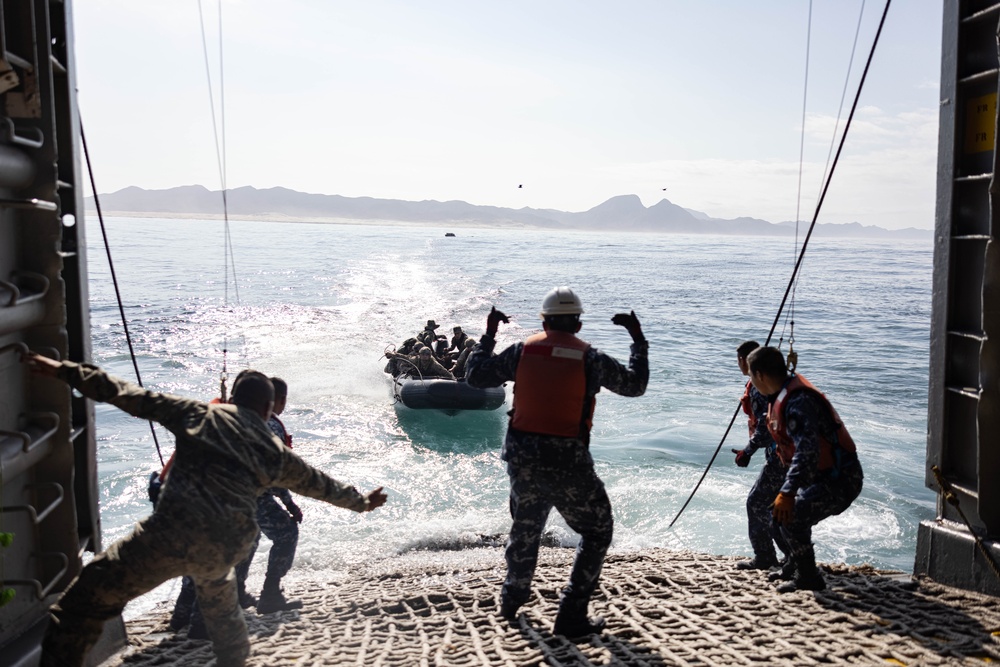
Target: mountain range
{"type": "Point", "coordinates": [622, 213]}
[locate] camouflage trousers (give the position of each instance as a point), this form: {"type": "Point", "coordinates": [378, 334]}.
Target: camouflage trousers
{"type": "Point", "coordinates": [155, 552]}
{"type": "Point", "coordinates": [579, 496]}
{"type": "Point", "coordinates": [759, 502]}
{"type": "Point", "coordinates": [279, 527]}
{"type": "Point", "coordinates": [827, 497]}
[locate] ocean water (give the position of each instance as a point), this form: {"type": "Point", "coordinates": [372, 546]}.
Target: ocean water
{"type": "Point", "coordinates": [318, 304]}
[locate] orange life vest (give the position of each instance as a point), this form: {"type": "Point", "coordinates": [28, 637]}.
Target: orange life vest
{"type": "Point", "coordinates": [779, 429]}
{"type": "Point", "coordinates": [748, 408]}
{"type": "Point", "coordinates": [550, 386]}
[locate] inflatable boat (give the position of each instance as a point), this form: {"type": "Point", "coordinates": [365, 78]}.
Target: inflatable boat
{"type": "Point", "coordinates": [451, 396]}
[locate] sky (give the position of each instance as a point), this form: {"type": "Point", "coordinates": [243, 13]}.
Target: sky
{"type": "Point", "coordinates": [557, 104]}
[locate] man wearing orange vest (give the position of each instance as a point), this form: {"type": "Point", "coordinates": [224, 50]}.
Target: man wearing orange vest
{"type": "Point", "coordinates": [772, 473]}
{"type": "Point", "coordinates": [547, 449]}
{"type": "Point", "coordinates": [824, 475]}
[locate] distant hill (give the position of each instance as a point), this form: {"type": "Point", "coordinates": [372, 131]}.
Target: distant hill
{"type": "Point", "coordinates": [622, 213]}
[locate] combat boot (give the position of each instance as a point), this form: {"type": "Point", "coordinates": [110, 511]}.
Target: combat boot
{"type": "Point", "coordinates": [246, 599]}
{"type": "Point", "coordinates": [509, 609]}
{"type": "Point", "coordinates": [807, 576]}
{"type": "Point", "coordinates": [183, 608]}
{"type": "Point", "coordinates": [758, 562]}
{"type": "Point", "coordinates": [786, 573]}
{"type": "Point", "coordinates": [572, 622]}
{"type": "Point", "coordinates": [272, 599]}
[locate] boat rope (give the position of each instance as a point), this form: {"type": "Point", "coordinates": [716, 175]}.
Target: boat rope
{"type": "Point", "coordinates": [114, 279]}
{"type": "Point", "coordinates": [805, 243]}
{"type": "Point", "coordinates": [949, 495]}
{"type": "Point", "coordinates": [219, 133]}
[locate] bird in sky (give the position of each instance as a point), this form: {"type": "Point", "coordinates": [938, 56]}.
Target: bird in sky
{"type": "Point", "coordinates": [520, 186]}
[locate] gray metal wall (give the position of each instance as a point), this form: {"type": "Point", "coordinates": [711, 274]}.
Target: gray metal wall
{"type": "Point", "coordinates": [963, 419]}
{"type": "Point", "coordinates": [48, 465]}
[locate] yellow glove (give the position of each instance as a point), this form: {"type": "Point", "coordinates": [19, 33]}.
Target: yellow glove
{"type": "Point", "coordinates": [783, 508]}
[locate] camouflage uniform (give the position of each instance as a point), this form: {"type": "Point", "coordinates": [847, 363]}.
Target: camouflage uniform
{"type": "Point", "coordinates": [204, 521]}
{"type": "Point", "coordinates": [458, 341]}
{"type": "Point", "coordinates": [764, 490]}
{"type": "Point", "coordinates": [431, 368]}
{"type": "Point", "coordinates": [552, 471]}
{"type": "Point", "coordinates": [463, 359]}
{"type": "Point", "coordinates": [818, 495]}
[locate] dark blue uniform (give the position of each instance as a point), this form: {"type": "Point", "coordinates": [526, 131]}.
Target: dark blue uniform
{"type": "Point", "coordinates": [276, 523]}
{"type": "Point", "coordinates": [551, 471]}
{"type": "Point", "coordinates": [818, 494]}
{"type": "Point", "coordinates": [767, 486]}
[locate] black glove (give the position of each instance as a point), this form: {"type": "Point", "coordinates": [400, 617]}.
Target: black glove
{"type": "Point", "coordinates": [631, 324]}
{"type": "Point", "coordinates": [493, 321]}
{"type": "Point", "coordinates": [153, 489]}
{"type": "Point", "coordinates": [295, 512]}
{"type": "Point", "coordinates": [742, 457]}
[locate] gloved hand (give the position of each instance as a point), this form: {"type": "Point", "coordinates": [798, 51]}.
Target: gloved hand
{"type": "Point", "coordinates": [783, 508]}
{"type": "Point", "coordinates": [296, 513]}
{"type": "Point", "coordinates": [631, 324]}
{"type": "Point", "coordinates": [493, 321]}
{"type": "Point", "coordinates": [742, 457]}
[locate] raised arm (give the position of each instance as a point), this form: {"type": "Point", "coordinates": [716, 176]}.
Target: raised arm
{"type": "Point", "coordinates": [171, 411]}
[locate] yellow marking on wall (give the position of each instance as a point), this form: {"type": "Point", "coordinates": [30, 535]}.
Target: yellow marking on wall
{"type": "Point", "coordinates": [980, 123]}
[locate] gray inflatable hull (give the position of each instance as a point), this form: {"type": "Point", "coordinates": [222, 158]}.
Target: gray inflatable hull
{"type": "Point", "coordinates": [448, 395]}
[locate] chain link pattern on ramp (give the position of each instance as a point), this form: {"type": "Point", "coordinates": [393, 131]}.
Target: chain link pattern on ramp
{"type": "Point", "coordinates": [662, 608]}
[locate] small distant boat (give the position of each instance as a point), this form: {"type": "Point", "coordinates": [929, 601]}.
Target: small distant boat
{"type": "Point", "coordinates": [449, 233]}
{"type": "Point", "coordinates": [450, 396]}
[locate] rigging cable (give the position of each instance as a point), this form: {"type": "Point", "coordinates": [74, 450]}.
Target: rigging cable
{"type": "Point", "coordinates": [829, 154]}
{"type": "Point", "coordinates": [805, 242]}
{"type": "Point", "coordinates": [114, 279]}
{"type": "Point", "coordinates": [798, 194]}
{"type": "Point", "coordinates": [220, 156]}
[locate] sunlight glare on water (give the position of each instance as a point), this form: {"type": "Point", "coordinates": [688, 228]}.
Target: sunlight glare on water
{"type": "Point", "coordinates": [319, 305]}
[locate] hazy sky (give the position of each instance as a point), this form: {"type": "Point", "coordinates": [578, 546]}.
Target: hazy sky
{"type": "Point", "coordinates": [577, 101]}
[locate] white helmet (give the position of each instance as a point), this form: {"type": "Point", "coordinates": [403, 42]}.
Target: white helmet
{"type": "Point", "coordinates": [561, 301]}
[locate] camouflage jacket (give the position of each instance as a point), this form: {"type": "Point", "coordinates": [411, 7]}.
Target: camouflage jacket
{"type": "Point", "coordinates": [484, 369]}
{"type": "Point", "coordinates": [226, 456]}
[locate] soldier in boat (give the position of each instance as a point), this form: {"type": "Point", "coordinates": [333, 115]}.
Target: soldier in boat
{"type": "Point", "coordinates": [423, 365]}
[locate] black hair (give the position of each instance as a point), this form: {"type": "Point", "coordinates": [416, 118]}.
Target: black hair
{"type": "Point", "coordinates": [280, 388]}
{"type": "Point", "coordinates": [253, 390]}
{"type": "Point", "coordinates": [769, 361]}
{"type": "Point", "coordinates": [746, 347]}
{"type": "Point", "coordinates": [566, 323]}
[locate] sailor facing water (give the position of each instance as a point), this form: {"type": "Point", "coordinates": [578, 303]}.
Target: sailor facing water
{"type": "Point", "coordinates": [280, 523]}
{"type": "Point", "coordinates": [772, 473]}
{"type": "Point", "coordinates": [547, 449]}
{"type": "Point", "coordinates": [204, 521]}
{"type": "Point", "coordinates": [824, 475]}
